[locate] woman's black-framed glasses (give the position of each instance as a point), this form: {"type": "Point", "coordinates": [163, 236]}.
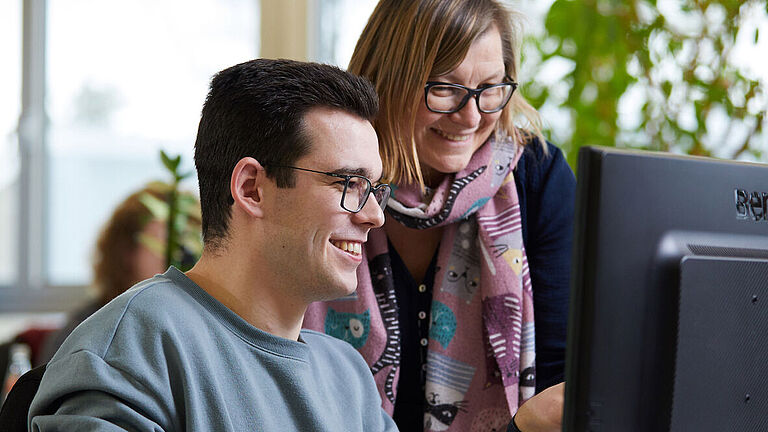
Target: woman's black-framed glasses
{"type": "Point", "coordinates": [357, 189]}
{"type": "Point", "coordinates": [446, 98]}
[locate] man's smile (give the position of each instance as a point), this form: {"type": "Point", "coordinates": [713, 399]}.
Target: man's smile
{"type": "Point", "coordinates": [350, 246]}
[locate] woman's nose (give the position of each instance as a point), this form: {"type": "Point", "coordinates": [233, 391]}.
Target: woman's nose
{"type": "Point", "coordinates": [469, 115]}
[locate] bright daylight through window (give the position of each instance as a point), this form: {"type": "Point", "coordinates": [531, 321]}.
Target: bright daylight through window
{"type": "Point", "coordinates": [118, 93]}
{"type": "Point", "coordinates": [10, 89]}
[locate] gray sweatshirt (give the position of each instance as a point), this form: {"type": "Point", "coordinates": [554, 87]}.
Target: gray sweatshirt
{"type": "Point", "coordinates": [166, 356]}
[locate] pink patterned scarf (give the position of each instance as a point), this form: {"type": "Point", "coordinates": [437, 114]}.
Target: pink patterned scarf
{"type": "Point", "coordinates": [480, 361]}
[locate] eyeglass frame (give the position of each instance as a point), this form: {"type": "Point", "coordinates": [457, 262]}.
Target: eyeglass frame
{"type": "Point", "coordinates": [347, 178]}
{"type": "Point", "coordinates": [470, 93]}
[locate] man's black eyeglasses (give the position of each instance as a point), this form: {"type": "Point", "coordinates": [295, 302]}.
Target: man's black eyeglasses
{"type": "Point", "coordinates": [357, 189]}
{"type": "Point", "coordinates": [446, 98]}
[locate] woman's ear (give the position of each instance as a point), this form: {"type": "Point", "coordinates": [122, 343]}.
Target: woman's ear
{"type": "Point", "coordinates": [247, 186]}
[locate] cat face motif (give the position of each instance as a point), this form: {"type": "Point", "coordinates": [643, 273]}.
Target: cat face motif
{"type": "Point", "coordinates": [443, 413]}
{"type": "Point", "coordinates": [349, 327]}
{"type": "Point", "coordinates": [504, 152]}
{"type": "Point", "coordinates": [514, 257]}
{"type": "Point", "coordinates": [447, 383]}
{"type": "Point", "coordinates": [462, 272]}
{"type": "Point", "coordinates": [528, 377]}
{"type": "Point", "coordinates": [499, 168]}
{"type": "Point", "coordinates": [528, 374]}
{"type": "Point", "coordinates": [443, 324]}
{"type": "Point", "coordinates": [467, 277]}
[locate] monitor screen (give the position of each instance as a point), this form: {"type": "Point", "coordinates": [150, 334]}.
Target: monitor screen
{"type": "Point", "coordinates": [668, 321]}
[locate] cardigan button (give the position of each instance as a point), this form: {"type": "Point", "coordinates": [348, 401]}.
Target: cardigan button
{"type": "Point", "coordinates": [422, 288]}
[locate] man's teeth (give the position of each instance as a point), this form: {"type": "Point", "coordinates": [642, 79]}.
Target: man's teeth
{"type": "Point", "coordinates": [354, 248]}
{"type": "Point", "coordinates": [451, 136]}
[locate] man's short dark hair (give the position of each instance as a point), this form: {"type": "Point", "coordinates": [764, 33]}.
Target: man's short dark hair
{"type": "Point", "coordinates": [256, 109]}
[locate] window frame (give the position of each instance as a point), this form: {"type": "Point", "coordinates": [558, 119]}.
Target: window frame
{"type": "Point", "coordinates": [30, 290]}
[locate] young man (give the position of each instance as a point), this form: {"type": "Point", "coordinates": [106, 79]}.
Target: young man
{"type": "Point", "coordinates": [284, 154]}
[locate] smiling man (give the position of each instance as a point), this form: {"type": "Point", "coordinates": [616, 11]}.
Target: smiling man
{"type": "Point", "coordinates": [288, 166]}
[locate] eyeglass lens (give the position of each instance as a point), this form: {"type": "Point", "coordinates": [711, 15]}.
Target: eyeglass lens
{"type": "Point", "coordinates": [450, 98]}
{"type": "Point", "coordinates": [357, 191]}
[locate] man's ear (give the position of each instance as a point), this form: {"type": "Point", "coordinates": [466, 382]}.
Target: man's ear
{"type": "Point", "coordinates": [247, 186]}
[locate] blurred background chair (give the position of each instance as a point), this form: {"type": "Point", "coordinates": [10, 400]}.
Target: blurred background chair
{"type": "Point", "coordinates": [13, 416]}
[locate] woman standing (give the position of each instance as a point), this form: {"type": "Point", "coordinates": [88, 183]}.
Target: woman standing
{"type": "Point", "coordinates": [461, 309]}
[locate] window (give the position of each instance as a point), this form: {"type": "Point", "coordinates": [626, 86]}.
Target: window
{"type": "Point", "coordinates": [116, 82]}
{"type": "Point", "coordinates": [10, 89]}
{"type": "Point", "coordinates": [338, 24]}
{"type": "Point", "coordinates": [125, 80]}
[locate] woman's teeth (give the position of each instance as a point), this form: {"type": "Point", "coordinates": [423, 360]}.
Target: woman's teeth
{"type": "Point", "coordinates": [451, 137]}
{"type": "Point", "coordinates": [355, 248]}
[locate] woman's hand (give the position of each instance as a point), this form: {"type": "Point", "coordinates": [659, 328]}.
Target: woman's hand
{"type": "Point", "coordinates": [543, 412]}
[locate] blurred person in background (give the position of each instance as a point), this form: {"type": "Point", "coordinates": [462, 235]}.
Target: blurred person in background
{"type": "Point", "coordinates": [462, 302]}
{"type": "Point", "coordinates": [130, 248]}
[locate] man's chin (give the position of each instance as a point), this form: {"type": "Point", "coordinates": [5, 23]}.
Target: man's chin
{"type": "Point", "coordinates": [347, 289]}
{"type": "Point", "coordinates": [339, 288]}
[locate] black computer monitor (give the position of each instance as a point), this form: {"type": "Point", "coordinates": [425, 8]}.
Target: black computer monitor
{"type": "Point", "coordinates": [668, 324]}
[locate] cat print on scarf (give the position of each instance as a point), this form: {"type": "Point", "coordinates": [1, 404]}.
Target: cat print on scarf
{"type": "Point", "coordinates": [462, 276]}
{"type": "Point", "coordinates": [350, 327]}
{"type": "Point", "coordinates": [447, 384]}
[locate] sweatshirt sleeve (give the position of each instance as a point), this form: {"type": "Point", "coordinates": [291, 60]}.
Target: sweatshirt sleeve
{"type": "Point", "coordinates": [83, 392]}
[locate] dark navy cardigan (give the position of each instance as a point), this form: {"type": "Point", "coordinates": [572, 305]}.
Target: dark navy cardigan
{"type": "Point", "coordinates": [546, 187]}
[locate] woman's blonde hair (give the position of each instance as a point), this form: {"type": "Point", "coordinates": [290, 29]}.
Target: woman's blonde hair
{"type": "Point", "coordinates": [404, 43]}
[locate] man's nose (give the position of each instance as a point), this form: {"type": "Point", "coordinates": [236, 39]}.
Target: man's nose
{"type": "Point", "coordinates": [371, 213]}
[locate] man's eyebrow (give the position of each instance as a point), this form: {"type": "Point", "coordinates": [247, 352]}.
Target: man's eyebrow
{"type": "Point", "coordinates": [352, 171]}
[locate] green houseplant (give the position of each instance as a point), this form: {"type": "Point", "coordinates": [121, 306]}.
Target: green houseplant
{"type": "Point", "coordinates": [180, 210]}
